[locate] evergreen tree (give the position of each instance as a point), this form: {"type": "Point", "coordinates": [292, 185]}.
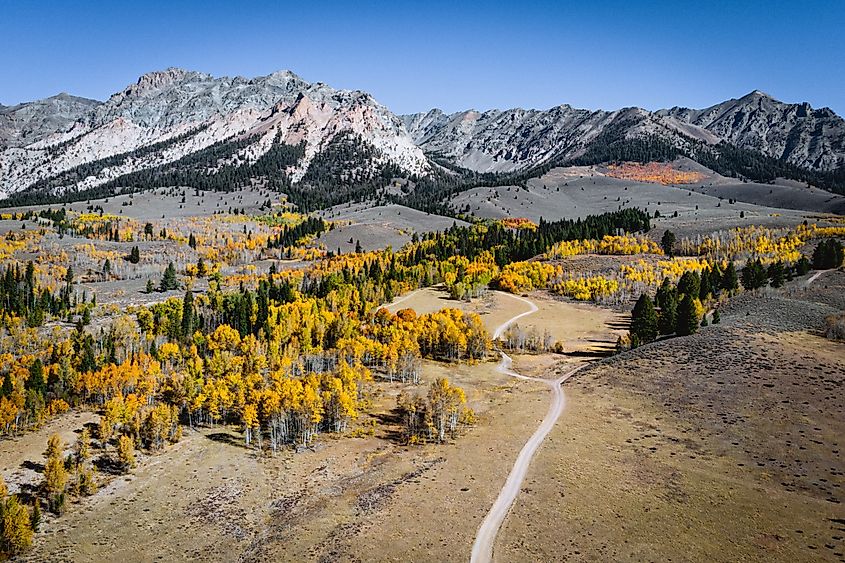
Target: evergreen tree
{"type": "Point", "coordinates": [36, 380]}
{"type": "Point", "coordinates": [776, 274]}
{"type": "Point", "coordinates": [687, 317]}
{"type": "Point", "coordinates": [802, 267]}
{"type": "Point", "coordinates": [168, 279]}
{"type": "Point", "coordinates": [188, 315]}
{"type": "Point", "coordinates": [716, 279]}
{"type": "Point", "coordinates": [828, 254]}
{"type": "Point", "coordinates": [150, 287]}
{"type": "Point", "coordinates": [705, 288]}
{"type": "Point", "coordinates": [192, 241]}
{"type": "Point", "coordinates": [668, 315]}
{"type": "Point", "coordinates": [689, 284]}
{"type": "Point", "coordinates": [7, 387]}
{"type": "Point", "coordinates": [644, 319]}
{"type": "Point", "coordinates": [667, 300]}
{"type": "Point", "coordinates": [134, 255]}
{"type": "Point", "coordinates": [754, 275]}
{"type": "Point", "coordinates": [716, 317]}
{"type": "Point", "coordinates": [667, 243]}
{"type": "Point", "coordinates": [730, 282]}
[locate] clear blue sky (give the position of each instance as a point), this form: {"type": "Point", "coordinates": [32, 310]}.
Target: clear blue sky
{"type": "Point", "coordinates": [454, 55]}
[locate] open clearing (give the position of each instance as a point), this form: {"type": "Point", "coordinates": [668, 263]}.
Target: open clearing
{"type": "Point", "coordinates": [209, 497]}
{"type": "Point", "coordinates": [377, 227]}
{"type": "Point", "coordinates": [570, 193]}
{"type": "Point", "coordinates": [723, 446]}
{"type": "Point", "coordinates": [700, 448]}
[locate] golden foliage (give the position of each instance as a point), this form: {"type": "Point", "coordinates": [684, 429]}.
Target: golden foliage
{"type": "Point", "coordinates": [615, 245]}
{"type": "Point", "coordinates": [586, 288]}
{"type": "Point", "coordinates": [519, 223]}
{"type": "Point", "coordinates": [658, 172]}
{"type": "Point", "coordinates": [525, 276]}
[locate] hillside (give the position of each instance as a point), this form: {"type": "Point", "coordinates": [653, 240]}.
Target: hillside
{"type": "Point", "coordinates": [324, 147]}
{"type": "Point", "coordinates": [755, 137]}
{"type": "Point", "coordinates": [796, 133]}
{"type": "Point", "coordinates": [63, 146]}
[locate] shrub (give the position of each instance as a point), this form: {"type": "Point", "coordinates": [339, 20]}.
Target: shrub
{"type": "Point", "coordinates": [126, 452]}
{"type": "Point", "coordinates": [828, 254]}
{"type": "Point", "coordinates": [835, 326]}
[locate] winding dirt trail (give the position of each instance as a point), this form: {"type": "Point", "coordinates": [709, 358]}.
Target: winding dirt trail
{"type": "Point", "coordinates": [482, 549]}
{"type": "Point", "coordinates": [815, 276]}
{"type": "Point", "coordinates": [402, 299]}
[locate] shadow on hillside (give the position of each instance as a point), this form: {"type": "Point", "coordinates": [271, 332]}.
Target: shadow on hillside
{"type": "Point", "coordinates": [106, 464]}
{"type": "Point", "coordinates": [391, 424]}
{"type": "Point", "coordinates": [593, 354]}
{"type": "Point", "coordinates": [226, 438]}
{"type": "Point", "coordinates": [33, 466]}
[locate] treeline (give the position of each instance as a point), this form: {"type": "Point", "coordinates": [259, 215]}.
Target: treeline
{"type": "Point", "coordinates": [431, 193]}
{"type": "Point", "coordinates": [201, 170]}
{"type": "Point", "coordinates": [349, 169]}
{"type": "Point", "coordinates": [512, 245]}
{"type": "Point", "coordinates": [290, 235]}
{"type": "Point", "coordinates": [58, 217]}
{"type": "Point", "coordinates": [725, 158]}
{"type": "Point", "coordinates": [20, 295]}
{"type": "Point", "coordinates": [81, 172]}
{"type": "Point", "coordinates": [828, 254]}
{"type": "Point", "coordinates": [613, 145]}
{"type": "Point", "coordinates": [680, 308]}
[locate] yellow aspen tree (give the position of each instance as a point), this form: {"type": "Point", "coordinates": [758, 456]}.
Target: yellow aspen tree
{"type": "Point", "coordinates": [126, 452]}
{"type": "Point", "coordinates": [16, 527]}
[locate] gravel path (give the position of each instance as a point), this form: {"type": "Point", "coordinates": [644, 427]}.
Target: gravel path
{"type": "Point", "coordinates": [482, 549]}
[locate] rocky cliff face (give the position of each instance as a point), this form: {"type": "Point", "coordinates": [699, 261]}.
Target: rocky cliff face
{"type": "Point", "coordinates": [797, 133]}
{"type": "Point", "coordinates": [65, 143]}
{"type": "Point", "coordinates": [31, 122]}
{"type": "Point", "coordinates": [503, 141]}
{"type": "Point", "coordinates": [170, 114]}
{"type": "Point", "coordinates": [506, 140]}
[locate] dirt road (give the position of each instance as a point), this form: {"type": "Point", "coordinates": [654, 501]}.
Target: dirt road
{"type": "Point", "coordinates": [482, 549]}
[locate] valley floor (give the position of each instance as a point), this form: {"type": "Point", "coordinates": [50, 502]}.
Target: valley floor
{"type": "Point", "coordinates": [722, 446]}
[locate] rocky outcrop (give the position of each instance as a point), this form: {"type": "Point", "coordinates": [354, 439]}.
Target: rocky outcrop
{"type": "Point", "coordinates": [170, 114]}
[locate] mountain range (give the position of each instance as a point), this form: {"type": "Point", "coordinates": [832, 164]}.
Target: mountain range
{"type": "Point", "coordinates": [323, 146]}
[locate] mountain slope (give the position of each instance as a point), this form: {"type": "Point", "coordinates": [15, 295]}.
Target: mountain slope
{"type": "Point", "coordinates": [795, 133]}
{"type": "Point", "coordinates": [323, 146]}
{"type": "Point", "coordinates": [517, 139]}
{"type": "Point", "coordinates": [31, 122]}
{"type": "Point", "coordinates": [167, 116]}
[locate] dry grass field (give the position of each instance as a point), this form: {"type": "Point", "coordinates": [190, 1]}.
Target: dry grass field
{"type": "Point", "coordinates": [209, 497]}
{"type": "Point", "coordinates": [723, 446]}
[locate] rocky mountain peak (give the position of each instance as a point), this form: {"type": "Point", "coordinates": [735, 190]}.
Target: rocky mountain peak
{"type": "Point", "coordinates": [758, 94]}
{"type": "Point", "coordinates": [159, 79]}
{"type": "Point", "coordinates": [172, 113]}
